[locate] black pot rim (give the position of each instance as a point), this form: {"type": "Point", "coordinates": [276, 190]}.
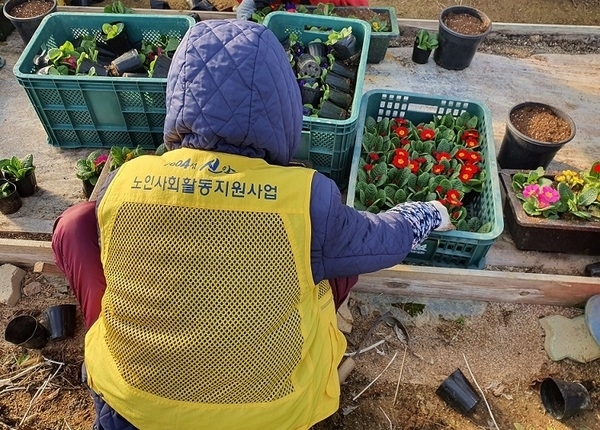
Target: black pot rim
{"type": "Point", "coordinates": [16, 19]}
{"type": "Point", "coordinates": [471, 11]}
{"type": "Point", "coordinates": [558, 112]}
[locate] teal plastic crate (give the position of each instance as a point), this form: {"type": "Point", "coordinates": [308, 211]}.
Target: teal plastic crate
{"type": "Point", "coordinates": [380, 40]}
{"type": "Point", "coordinates": [326, 143]}
{"type": "Point", "coordinates": [98, 111]}
{"type": "Point", "coordinates": [458, 249]}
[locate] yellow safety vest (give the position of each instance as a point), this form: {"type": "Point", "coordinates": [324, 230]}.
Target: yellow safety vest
{"type": "Point", "coordinates": [211, 318]}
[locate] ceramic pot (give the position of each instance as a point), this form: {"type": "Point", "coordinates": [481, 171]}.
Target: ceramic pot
{"type": "Point", "coordinates": [455, 50]}
{"type": "Point", "coordinates": [519, 151]}
{"type": "Point", "coordinates": [26, 26]}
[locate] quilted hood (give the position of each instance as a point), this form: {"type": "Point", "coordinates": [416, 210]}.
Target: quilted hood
{"type": "Point", "coordinates": [231, 89]}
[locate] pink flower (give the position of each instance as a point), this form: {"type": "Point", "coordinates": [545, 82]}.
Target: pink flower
{"type": "Point", "coordinates": [531, 190]}
{"type": "Point", "coordinates": [101, 159]}
{"type": "Point", "coordinates": [547, 196]}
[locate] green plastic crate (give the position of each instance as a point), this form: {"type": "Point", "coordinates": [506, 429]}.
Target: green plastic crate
{"type": "Point", "coordinates": [98, 111]}
{"type": "Point", "coordinates": [380, 40]}
{"type": "Point", "coordinates": [326, 143]}
{"type": "Point", "coordinates": [458, 249]}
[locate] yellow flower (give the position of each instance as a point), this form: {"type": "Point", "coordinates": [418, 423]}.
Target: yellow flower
{"type": "Point", "coordinates": [376, 26]}
{"type": "Point", "coordinates": [570, 178]}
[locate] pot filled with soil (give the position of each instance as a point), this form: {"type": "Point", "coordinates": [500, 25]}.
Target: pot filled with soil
{"type": "Point", "coordinates": [461, 30]}
{"type": "Point", "coordinates": [10, 201]}
{"type": "Point", "coordinates": [534, 133]}
{"type": "Point", "coordinates": [26, 15]}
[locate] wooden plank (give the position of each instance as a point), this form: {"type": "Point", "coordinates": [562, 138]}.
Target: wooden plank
{"type": "Point", "coordinates": [101, 179]}
{"type": "Point", "coordinates": [25, 252]}
{"type": "Point", "coordinates": [46, 268]}
{"type": "Point", "coordinates": [480, 285]}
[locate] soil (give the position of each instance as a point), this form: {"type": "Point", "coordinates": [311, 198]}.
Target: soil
{"type": "Point", "coordinates": [501, 344]}
{"type": "Point", "coordinates": [464, 23]}
{"type": "Point", "coordinates": [541, 124]}
{"type": "Point", "coordinates": [31, 8]}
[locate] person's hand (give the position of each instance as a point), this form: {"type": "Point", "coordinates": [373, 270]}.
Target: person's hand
{"type": "Point", "coordinates": [445, 225]}
{"type": "Point", "coordinates": [245, 10]}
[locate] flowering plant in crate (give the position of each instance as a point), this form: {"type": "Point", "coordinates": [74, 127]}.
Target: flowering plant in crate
{"type": "Point", "coordinates": [120, 155]}
{"type": "Point", "coordinates": [89, 168]}
{"type": "Point", "coordinates": [566, 195]}
{"type": "Point", "coordinates": [439, 160]}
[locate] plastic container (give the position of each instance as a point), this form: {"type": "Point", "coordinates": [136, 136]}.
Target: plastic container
{"type": "Point", "coordinates": [26, 331]}
{"type": "Point", "coordinates": [60, 321]}
{"type": "Point", "coordinates": [458, 393]}
{"type": "Point", "coordinates": [380, 40]}
{"type": "Point", "coordinates": [563, 399]}
{"type": "Point", "coordinates": [326, 143]}
{"type": "Point", "coordinates": [459, 249]}
{"type": "Point", "coordinates": [98, 111]}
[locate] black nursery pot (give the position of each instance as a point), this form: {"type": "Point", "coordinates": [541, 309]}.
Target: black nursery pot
{"type": "Point", "coordinates": [344, 70]}
{"type": "Point", "coordinates": [519, 151]}
{"type": "Point", "coordinates": [11, 203]}
{"type": "Point", "coordinates": [119, 44]}
{"type": "Point", "coordinates": [27, 185]}
{"type": "Point", "coordinates": [347, 48]}
{"type": "Point", "coordinates": [332, 111]}
{"type": "Point", "coordinates": [420, 56]}
{"type": "Point", "coordinates": [311, 96]}
{"type": "Point", "coordinates": [337, 81]}
{"type": "Point", "coordinates": [307, 65]}
{"type": "Point", "coordinates": [128, 62]}
{"type": "Point", "coordinates": [26, 331]}
{"type": "Point", "coordinates": [340, 98]}
{"type": "Point", "coordinates": [455, 50]}
{"type": "Point", "coordinates": [26, 26]}
{"type": "Point", "coordinates": [88, 188]}
{"type": "Point", "coordinates": [161, 67]}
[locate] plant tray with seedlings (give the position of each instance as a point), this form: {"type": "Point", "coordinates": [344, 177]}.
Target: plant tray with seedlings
{"type": "Point", "coordinates": [415, 147]}
{"type": "Point", "coordinates": [329, 57]}
{"type": "Point", "coordinates": [92, 91]}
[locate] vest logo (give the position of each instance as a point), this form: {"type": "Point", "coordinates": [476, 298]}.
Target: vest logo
{"type": "Point", "coordinates": [419, 249]}
{"type": "Point", "coordinates": [214, 166]}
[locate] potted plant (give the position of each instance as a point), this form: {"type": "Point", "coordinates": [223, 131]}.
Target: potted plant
{"type": "Point", "coordinates": [120, 155]}
{"type": "Point", "coordinates": [10, 201]}
{"type": "Point", "coordinates": [534, 133]}
{"type": "Point", "coordinates": [89, 169]}
{"type": "Point", "coordinates": [115, 37]}
{"type": "Point", "coordinates": [425, 42]}
{"type": "Point", "coordinates": [345, 45]}
{"type": "Point", "coordinates": [557, 212]}
{"type": "Point", "coordinates": [19, 14]}
{"type": "Point", "coordinates": [21, 171]}
{"type": "Point", "coordinates": [461, 29]}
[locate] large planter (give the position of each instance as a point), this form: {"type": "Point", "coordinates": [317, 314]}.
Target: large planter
{"type": "Point", "coordinates": [6, 26]}
{"type": "Point", "coordinates": [456, 50]}
{"type": "Point", "coordinates": [519, 151]}
{"type": "Point", "coordinates": [26, 26]}
{"type": "Point", "coordinates": [546, 235]}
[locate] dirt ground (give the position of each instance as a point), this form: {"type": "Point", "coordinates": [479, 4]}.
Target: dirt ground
{"type": "Point", "coordinates": [502, 344]}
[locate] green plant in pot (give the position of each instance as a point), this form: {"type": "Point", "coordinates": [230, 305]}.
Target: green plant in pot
{"type": "Point", "coordinates": [21, 171]}
{"type": "Point", "coordinates": [425, 42]}
{"type": "Point", "coordinates": [115, 36]}
{"type": "Point", "coordinates": [120, 155]}
{"type": "Point", "coordinates": [10, 201]}
{"type": "Point", "coordinates": [89, 169]}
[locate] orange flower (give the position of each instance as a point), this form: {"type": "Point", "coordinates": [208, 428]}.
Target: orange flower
{"type": "Point", "coordinates": [439, 156]}
{"type": "Point", "coordinates": [465, 176]}
{"type": "Point", "coordinates": [400, 162]}
{"type": "Point", "coordinates": [414, 166]}
{"type": "Point", "coordinates": [469, 168]}
{"type": "Point", "coordinates": [400, 152]}
{"type": "Point", "coordinates": [462, 154]}
{"type": "Point", "coordinates": [475, 157]}
{"type": "Point", "coordinates": [427, 134]}
{"type": "Point", "coordinates": [437, 169]}
{"type": "Point", "coordinates": [471, 142]}
{"type": "Point", "coordinates": [472, 133]}
{"type": "Point", "coordinates": [453, 197]}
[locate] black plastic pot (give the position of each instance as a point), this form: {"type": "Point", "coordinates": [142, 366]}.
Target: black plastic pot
{"type": "Point", "coordinates": [420, 56]}
{"type": "Point", "coordinates": [519, 151]}
{"type": "Point", "coordinates": [11, 203]}
{"type": "Point", "coordinates": [455, 50]}
{"type": "Point", "coordinates": [307, 65]}
{"type": "Point", "coordinates": [119, 44]}
{"type": "Point", "coordinates": [205, 5]}
{"type": "Point", "coordinates": [27, 185]}
{"type": "Point", "coordinates": [27, 332]}
{"type": "Point", "coordinates": [6, 27]}
{"type": "Point", "coordinates": [340, 98]}
{"type": "Point", "coordinates": [339, 82]}
{"type": "Point", "coordinates": [130, 61]}
{"type": "Point", "coordinates": [457, 392]}
{"type": "Point", "coordinates": [88, 188]}
{"type": "Point", "coordinates": [564, 399]}
{"type": "Point", "coordinates": [26, 26]}
{"type": "Point", "coordinates": [86, 66]}
{"type": "Point", "coordinates": [161, 67]}
{"type": "Point", "coordinates": [317, 49]}
{"type": "Point", "coordinates": [311, 96]}
{"type": "Point", "coordinates": [332, 111]}
{"type": "Point", "coordinates": [347, 48]}
{"type": "Point", "coordinates": [344, 70]}
{"type": "Point", "coordinates": [60, 321]}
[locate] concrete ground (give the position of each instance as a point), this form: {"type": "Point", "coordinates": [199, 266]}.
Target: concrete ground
{"type": "Point", "coordinates": [569, 82]}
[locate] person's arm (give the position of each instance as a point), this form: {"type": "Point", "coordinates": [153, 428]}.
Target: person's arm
{"type": "Point", "coordinates": [347, 242]}
{"type": "Point", "coordinates": [245, 9]}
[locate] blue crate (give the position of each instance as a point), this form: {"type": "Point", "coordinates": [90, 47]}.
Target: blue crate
{"type": "Point", "coordinates": [458, 249]}
{"type": "Point", "coordinates": [98, 111]}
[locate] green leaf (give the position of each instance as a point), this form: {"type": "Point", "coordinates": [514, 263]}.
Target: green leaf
{"type": "Point", "coordinates": [472, 123]}
{"type": "Point", "coordinates": [371, 125]}
{"type": "Point", "coordinates": [587, 197]}
{"type": "Point", "coordinates": [423, 179]}
{"type": "Point", "coordinates": [565, 192]}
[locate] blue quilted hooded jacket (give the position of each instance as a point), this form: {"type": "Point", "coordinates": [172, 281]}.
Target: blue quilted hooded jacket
{"type": "Point", "coordinates": [234, 92]}
{"type": "Point", "coordinates": [231, 89]}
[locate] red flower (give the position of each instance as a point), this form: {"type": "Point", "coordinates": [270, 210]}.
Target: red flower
{"type": "Point", "coordinates": [472, 142]}
{"type": "Point", "coordinates": [399, 122]}
{"type": "Point", "coordinates": [455, 215]}
{"type": "Point", "coordinates": [439, 156]}
{"type": "Point", "coordinates": [400, 162]}
{"type": "Point", "coordinates": [405, 142]}
{"type": "Point", "coordinates": [437, 169]}
{"type": "Point", "coordinates": [420, 127]}
{"type": "Point", "coordinates": [453, 197]}
{"type": "Point", "coordinates": [475, 157]}
{"type": "Point", "coordinates": [427, 134]}
{"type": "Point", "coordinates": [401, 152]}
{"type": "Point", "coordinates": [368, 167]}
{"type": "Point", "coordinates": [465, 176]}
{"type": "Point", "coordinates": [373, 156]}
{"type": "Point", "coordinates": [401, 132]}
{"type": "Point", "coordinates": [472, 133]}
{"type": "Point", "coordinates": [596, 168]}
{"type": "Point", "coordinates": [439, 189]}
{"type": "Point", "coordinates": [469, 168]}
{"type": "Point", "coordinates": [420, 160]}
{"type": "Point", "coordinates": [462, 154]}
{"type": "Point", "coordinates": [414, 166]}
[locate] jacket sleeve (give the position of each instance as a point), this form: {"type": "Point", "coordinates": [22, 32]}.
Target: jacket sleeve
{"type": "Point", "coordinates": [347, 242]}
